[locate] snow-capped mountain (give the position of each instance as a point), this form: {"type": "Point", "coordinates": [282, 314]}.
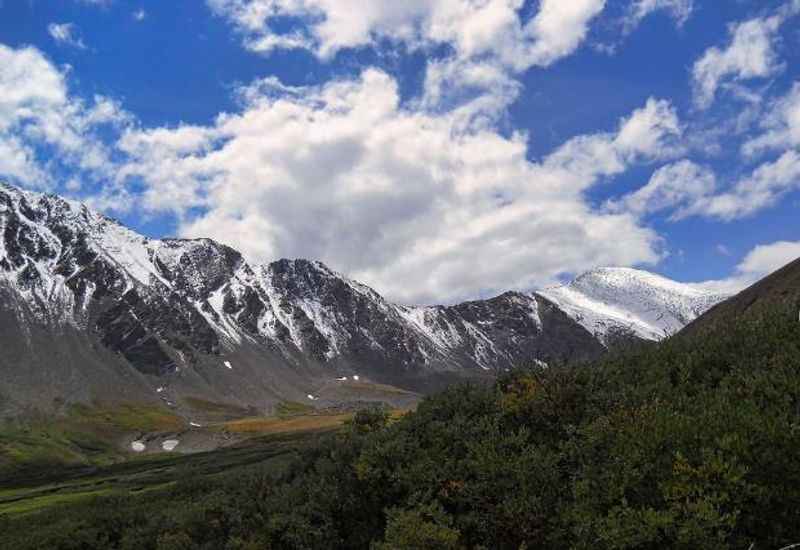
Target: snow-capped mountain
{"type": "Point", "coordinates": [610, 301]}
{"type": "Point", "coordinates": [90, 309]}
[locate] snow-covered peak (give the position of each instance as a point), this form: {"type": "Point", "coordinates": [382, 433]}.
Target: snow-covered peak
{"type": "Point", "coordinates": [49, 208]}
{"type": "Point", "coordinates": [199, 294]}
{"type": "Point", "coordinates": [607, 300]}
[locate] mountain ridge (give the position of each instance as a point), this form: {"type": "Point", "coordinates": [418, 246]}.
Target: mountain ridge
{"type": "Point", "coordinates": [178, 309]}
{"type": "Point", "coordinates": [777, 290]}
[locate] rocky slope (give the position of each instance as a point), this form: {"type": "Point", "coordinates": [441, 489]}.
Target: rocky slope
{"type": "Point", "coordinates": [90, 310]}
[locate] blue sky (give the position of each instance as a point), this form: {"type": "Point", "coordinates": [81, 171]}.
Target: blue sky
{"type": "Point", "coordinates": [435, 150]}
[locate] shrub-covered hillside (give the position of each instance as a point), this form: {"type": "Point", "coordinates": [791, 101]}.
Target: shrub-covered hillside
{"type": "Point", "coordinates": [694, 444]}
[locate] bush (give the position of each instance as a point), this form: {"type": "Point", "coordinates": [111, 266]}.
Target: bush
{"type": "Point", "coordinates": [691, 444]}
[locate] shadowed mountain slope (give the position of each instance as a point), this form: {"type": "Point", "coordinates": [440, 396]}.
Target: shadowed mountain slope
{"type": "Point", "coordinates": [91, 310]}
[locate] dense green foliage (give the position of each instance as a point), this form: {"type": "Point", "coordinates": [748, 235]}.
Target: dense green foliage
{"type": "Point", "coordinates": [693, 444]}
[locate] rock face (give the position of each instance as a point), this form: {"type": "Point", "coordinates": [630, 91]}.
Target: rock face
{"type": "Point", "coordinates": [91, 310]}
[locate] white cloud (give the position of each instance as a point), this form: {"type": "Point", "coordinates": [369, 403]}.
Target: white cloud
{"type": "Point", "coordinates": [491, 27]}
{"type": "Point", "coordinates": [759, 262]}
{"type": "Point", "coordinates": [765, 259]}
{"type": "Point", "coordinates": [772, 179]}
{"type": "Point", "coordinates": [67, 34]}
{"type": "Point", "coordinates": [412, 201]}
{"type": "Point", "coordinates": [18, 161]}
{"type": "Point", "coordinates": [37, 111]}
{"type": "Point", "coordinates": [761, 189]}
{"type": "Point", "coordinates": [674, 187]}
{"type": "Point", "coordinates": [680, 10]}
{"type": "Point", "coordinates": [557, 30]}
{"type": "Point", "coordinates": [750, 54]}
{"type": "Point", "coordinates": [781, 125]}
{"type": "Point", "coordinates": [140, 15]}
{"type": "Point", "coordinates": [477, 94]}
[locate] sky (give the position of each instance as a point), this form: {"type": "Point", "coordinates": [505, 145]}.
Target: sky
{"type": "Point", "coordinates": [437, 150]}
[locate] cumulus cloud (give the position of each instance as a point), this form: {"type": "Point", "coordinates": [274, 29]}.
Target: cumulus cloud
{"type": "Point", "coordinates": [412, 201]}
{"type": "Point", "coordinates": [749, 54]}
{"type": "Point", "coordinates": [781, 125]}
{"type": "Point", "coordinates": [765, 259]}
{"type": "Point", "coordinates": [759, 262]}
{"type": "Point", "coordinates": [672, 187]}
{"type": "Point", "coordinates": [487, 42]}
{"type": "Point", "coordinates": [493, 27]}
{"type": "Point", "coordinates": [769, 181]}
{"type": "Point", "coordinates": [36, 111]}
{"type": "Point", "coordinates": [760, 189]}
{"type": "Point", "coordinates": [476, 93]}
{"type": "Point", "coordinates": [66, 34]}
{"type": "Point", "coordinates": [680, 10]}
{"type": "Point", "coordinates": [774, 141]}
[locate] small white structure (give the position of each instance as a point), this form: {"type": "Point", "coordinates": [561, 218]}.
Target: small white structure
{"type": "Point", "coordinates": [342, 379]}
{"type": "Point", "coordinates": [228, 364]}
{"type": "Point", "coordinates": [170, 444]}
{"type": "Point", "coordinates": [195, 424]}
{"type": "Point", "coordinates": [159, 390]}
{"type": "Point", "coordinates": [312, 398]}
{"type": "Point", "coordinates": [138, 447]}
{"type": "Point", "coordinates": [356, 377]}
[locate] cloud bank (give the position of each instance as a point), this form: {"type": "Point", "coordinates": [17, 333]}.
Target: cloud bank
{"type": "Point", "coordinates": [414, 203]}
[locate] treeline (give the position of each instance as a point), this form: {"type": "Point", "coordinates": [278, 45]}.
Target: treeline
{"type": "Point", "coordinates": [693, 444]}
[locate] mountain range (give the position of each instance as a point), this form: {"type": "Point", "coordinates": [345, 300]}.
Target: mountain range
{"type": "Point", "coordinates": [90, 310]}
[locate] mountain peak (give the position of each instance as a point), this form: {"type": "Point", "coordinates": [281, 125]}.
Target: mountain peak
{"type": "Point", "coordinates": [177, 309]}
{"type": "Point", "coordinates": [612, 299]}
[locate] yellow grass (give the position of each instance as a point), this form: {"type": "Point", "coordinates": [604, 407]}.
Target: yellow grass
{"type": "Point", "coordinates": [397, 414]}
{"type": "Point", "coordinates": [297, 423]}
{"type": "Point", "coordinates": [272, 425]}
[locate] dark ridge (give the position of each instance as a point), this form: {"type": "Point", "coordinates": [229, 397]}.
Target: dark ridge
{"type": "Point", "coordinates": [776, 291]}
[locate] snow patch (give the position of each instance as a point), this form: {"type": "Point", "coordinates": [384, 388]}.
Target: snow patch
{"type": "Point", "coordinates": [170, 444]}
{"type": "Point", "coordinates": [138, 447]}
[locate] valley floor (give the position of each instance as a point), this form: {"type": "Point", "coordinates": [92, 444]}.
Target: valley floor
{"type": "Point", "coordinates": [142, 474]}
{"type": "Point", "coordinates": [50, 469]}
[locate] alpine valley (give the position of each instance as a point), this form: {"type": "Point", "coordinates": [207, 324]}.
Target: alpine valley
{"type": "Point", "coordinates": [92, 311]}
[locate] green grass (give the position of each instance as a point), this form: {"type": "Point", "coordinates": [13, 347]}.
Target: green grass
{"type": "Point", "coordinates": [292, 408]}
{"type": "Point", "coordinates": [151, 473]}
{"type": "Point", "coordinates": [84, 436]}
{"type": "Point", "coordinates": [46, 463]}
{"type": "Point", "coordinates": [30, 505]}
{"type": "Point", "coordinates": [128, 417]}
